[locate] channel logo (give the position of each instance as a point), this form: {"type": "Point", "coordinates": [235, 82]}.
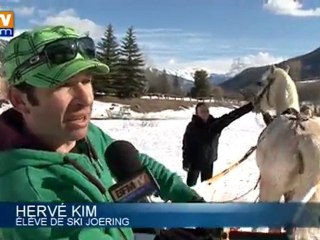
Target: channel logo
{"type": "Point", "coordinates": [6, 23]}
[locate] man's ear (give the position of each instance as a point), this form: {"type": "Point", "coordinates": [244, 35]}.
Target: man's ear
{"type": "Point", "coordinates": [18, 100]}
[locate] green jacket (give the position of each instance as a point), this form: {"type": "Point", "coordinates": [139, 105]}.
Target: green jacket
{"type": "Point", "coordinates": [30, 175]}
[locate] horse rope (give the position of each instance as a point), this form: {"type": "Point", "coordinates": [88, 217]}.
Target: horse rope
{"type": "Point", "coordinates": [227, 170]}
{"type": "Point", "coordinates": [244, 194]}
{"type": "Point", "coordinates": [233, 166]}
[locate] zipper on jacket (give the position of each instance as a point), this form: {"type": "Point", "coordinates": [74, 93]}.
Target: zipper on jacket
{"type": "Point", "coordinates": [93, 153]}
{"type": "Point", "coordinates": [93, 157]}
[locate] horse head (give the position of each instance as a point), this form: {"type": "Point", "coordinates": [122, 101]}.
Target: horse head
{"type": "Point", "coordinates": [278, 91]}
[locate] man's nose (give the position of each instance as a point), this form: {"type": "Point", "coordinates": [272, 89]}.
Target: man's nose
{"type": "Point", "coordinates": [84, 94]}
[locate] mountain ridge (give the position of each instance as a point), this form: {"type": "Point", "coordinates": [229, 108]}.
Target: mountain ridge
{"type": "Point", "coordinates": [302, 67]}
{"type": "Point", "coordinates": [186, 77]}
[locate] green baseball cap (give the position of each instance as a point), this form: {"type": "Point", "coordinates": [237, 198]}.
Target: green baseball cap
{"type": "Point", "coordinates": [26, 48]}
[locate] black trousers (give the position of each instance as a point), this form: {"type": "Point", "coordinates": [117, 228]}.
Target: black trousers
{"type": "Point", "coordinates": [193, 175]}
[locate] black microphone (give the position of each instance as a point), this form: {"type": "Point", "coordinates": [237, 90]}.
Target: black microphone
{"type": "Point", "coordinates": [135, 183]}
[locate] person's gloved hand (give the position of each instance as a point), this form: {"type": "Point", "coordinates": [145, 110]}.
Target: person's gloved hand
{"type": "Point", "coordinates": [186, 166]}
{"type": "Point", "coordinates": [267, 118]}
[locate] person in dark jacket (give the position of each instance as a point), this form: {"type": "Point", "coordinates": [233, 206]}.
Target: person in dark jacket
{"type": "Point", "coordinates": [201, 138]}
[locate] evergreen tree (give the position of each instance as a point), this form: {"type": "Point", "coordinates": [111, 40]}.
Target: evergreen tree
{"type": "Point", "coordinates": [164, 83]}
{"type": "Point", "coordinates": [108, 53]}
{"type": "Point", "coordinates": [151, 78]}
{"type": "Point", "coordinates": [201, 84]}
{"type": "Point", "coordinates": [132, 80]}
{"type": "Point", "coordinates": [176, 85]}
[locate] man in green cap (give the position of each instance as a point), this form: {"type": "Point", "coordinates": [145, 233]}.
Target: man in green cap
{"type": "Point", "coordinates": [47, 140]}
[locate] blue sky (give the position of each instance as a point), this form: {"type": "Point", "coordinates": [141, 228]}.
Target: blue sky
{"type": "Point", "coordinates": [189, 34]}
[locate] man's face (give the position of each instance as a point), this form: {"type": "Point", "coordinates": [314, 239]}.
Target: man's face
{"type": "Point", "coordinates": [203, 112]}
{"type": "Point", "coordinates": [63, 112]}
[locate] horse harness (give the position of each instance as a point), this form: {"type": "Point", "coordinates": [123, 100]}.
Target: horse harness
{"type": "Point", "coordinates": [291, 114]}
{"type": "Point", "coordinates": [265, 90]}
{"type": "Point", "coordinates": [295, 115]}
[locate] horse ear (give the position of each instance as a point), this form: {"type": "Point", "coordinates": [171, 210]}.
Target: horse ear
{"type": "Point", "coordinates": [287, 68]}
{"type": "Point", "coordinates": [272, 68]}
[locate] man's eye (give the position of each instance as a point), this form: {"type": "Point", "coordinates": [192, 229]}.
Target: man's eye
{"type": "Point", "coordinates": [86, 81]}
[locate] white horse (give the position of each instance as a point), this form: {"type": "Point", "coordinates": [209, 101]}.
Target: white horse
{"type": "Point", "coordinates": [288, 150]}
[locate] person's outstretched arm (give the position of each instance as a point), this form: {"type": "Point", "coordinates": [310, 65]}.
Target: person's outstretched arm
{"type": "Point", "coordinates": [220, 123]}
{"type": "Point", "coordinates": [267, 118]}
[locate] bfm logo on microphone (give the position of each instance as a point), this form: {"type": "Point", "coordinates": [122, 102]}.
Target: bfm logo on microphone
{"type": "Point", "coordinates": [6, 23]}
{"type": "Point", "coordinates": [133, 188]}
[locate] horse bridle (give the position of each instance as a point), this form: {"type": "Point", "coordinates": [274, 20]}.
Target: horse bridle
{"type": "Point", "coordinates": [266, 90]}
